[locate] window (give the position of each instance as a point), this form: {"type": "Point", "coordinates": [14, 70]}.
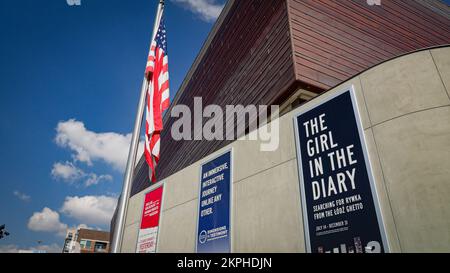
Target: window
{"type": "Point", "coordinates": [85, 244]}
{"type": "Point", "coordinates": [100, 247]}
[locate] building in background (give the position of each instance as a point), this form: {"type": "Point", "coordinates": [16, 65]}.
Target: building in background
{"type": "Point", "coordinates": [93, 241]}
{"type": "Point", "coordinates": [86, 241]}
{"type": "Point", "coordinates": [70, 241]}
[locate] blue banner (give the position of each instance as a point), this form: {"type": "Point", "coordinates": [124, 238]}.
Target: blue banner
{"type": "Point", "coordinates": [213, 230]}
{"type": "Point", "coordinates": [340, 207]}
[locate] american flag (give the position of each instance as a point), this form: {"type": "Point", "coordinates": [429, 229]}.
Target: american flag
{"type": "Point", "coordinates": [158, 101]}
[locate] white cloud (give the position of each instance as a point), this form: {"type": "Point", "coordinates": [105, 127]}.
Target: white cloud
{"type": "Point", "coordinates": [95, 210]}
{"type": "Point", "coordinates": [94, 179]}
{"type": "Point", "coordinates": [88, 227]}
{"type": "Point", "coordinates": [22, 196]}
{"type": "Point", "coordinates": [53, 248]}
{"type": "Point", "coordinates": [84, 226]}
{"type": "Point", "coordinates": [71, 174]}
{"type": "Point", "coordinates": [9, 248]}
{"type": "Point", "coordinates": [208, 10]}
{"type": "Point", "coordinates": [47, 221]}
{"type": "Point", "coordinates": [66, 171]}
{"type": "Point", "coordinates": [88, 146]}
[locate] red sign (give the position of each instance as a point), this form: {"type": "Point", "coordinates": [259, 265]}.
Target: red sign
{"type": "Point", "coordinates": [149, 222]}
{"type": "Point", "coordinates": [152, 206]}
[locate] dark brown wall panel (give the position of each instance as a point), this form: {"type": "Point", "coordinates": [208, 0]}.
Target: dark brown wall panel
{"type": "Point", "coordinates": [249, 61]}
{"type": "Point", "coordinates": [337, 39]}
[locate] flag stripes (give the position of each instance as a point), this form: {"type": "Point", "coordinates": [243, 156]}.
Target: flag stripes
{"type": "Point", "coordinates": [158, 96]}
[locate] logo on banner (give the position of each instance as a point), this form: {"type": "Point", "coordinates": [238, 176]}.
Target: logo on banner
{"type": "Point", "coordinates": [73, 2]}
{"type": "Point", "coordinates": [202, 237]}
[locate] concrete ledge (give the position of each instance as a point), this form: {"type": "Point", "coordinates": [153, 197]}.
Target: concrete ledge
{"type": "Point", "coordinates": [441, 57]}
{"type": "Point", "coordinates": [267, 212]}
{"type": "Point", "coordinates": [135, 209]}
{"type": "Point", "coordinates": [402, 86]}
{"type": "Point", "coordinates": [130, 238]}
{"type": "Point", "coordinates": [177, 228]}
{"type": "Point", "coordinates": [415, 157]}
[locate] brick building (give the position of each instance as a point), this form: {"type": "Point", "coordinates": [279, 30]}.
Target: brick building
{"type": "Point", "coordinates": [86, 241]}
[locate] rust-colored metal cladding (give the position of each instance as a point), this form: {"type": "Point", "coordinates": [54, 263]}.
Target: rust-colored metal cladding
{"type": "Point", "coordinates": [335, 40]}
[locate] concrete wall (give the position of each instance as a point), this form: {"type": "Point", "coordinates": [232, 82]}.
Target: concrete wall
{"type": "Point", "coordinates": [405, 112]}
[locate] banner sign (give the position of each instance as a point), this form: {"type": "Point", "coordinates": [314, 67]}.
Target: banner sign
{"type": "Point", "coordinates": [340, 205]}
{"type": "Point", "coordinates": [148, 232]}
{"type": "Point", "coordinates": [214, 213]}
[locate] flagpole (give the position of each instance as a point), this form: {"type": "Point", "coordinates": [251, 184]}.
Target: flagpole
{"type": "Point", "coordinates": [119, 227]}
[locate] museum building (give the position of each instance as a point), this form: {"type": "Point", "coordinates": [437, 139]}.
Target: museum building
{"type": "Point", "coordinates": [363, 156]}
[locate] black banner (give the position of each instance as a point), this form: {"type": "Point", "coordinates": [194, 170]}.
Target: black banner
{"type": "Point", "coordinates": [249, 262]}
{"type": "Point", "coordinates": [340, 208]}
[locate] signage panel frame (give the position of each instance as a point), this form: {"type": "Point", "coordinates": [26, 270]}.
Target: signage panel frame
{"type": "Point", "coordinates": [357, 115]}
{"type": "Point", "coordinates": [150, 189]}
{"type": "Point", "coordinates": [205, 161]}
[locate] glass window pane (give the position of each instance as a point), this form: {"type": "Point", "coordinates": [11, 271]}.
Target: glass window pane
{"type": "Point", "coordinates": [83, 243]}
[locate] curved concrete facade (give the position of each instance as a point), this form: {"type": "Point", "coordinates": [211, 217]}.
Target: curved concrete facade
{"type": "Point", "coordinates": [405, 111]}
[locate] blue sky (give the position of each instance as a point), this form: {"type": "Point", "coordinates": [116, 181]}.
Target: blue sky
{"type": "Point", "coordinates": [70, 78]}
